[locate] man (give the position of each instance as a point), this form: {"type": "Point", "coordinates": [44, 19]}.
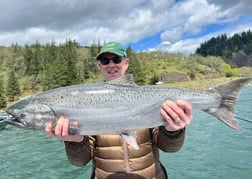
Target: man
{"type": "Point", "coordinates": [112, 157]}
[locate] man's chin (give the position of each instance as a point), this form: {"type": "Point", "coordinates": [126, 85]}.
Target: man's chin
{"type": "Point", "coordinates": [112, 76]}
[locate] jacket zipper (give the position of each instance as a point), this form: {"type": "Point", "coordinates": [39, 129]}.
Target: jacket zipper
{"type": "Point", "coordinates": [126, 156]}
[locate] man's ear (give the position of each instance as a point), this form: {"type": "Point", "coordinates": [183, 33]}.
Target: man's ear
{"type": "Point", "coordinates": [99, 64]}
{"type": "Point", "coordinates": [128, 61]}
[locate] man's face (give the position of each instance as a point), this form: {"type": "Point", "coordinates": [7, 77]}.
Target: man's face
{"type": "Point", "coordinates": [113, 70]}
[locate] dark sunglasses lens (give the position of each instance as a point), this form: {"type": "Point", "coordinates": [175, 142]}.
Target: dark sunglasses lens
{"type": "Point", "coordinates": [117, 60]}
{"type": "Point", "coordinates": [106, 61]}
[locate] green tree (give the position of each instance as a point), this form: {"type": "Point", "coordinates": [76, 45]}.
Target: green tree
{"type": "Point", "coordinates": [62, 70]}
{"type": "Point", "coordinates": [28, 58]}
{"type": "Point", "coordinates": [155, 78]}
{"type": "Point", "coordinates": [229, 71]}
{"type": "Point", "coordinates": [92, 63]}
{"type": "Point", "coordinates": [2, 97]}
{"type": "Point", "coordinates": [86, 69]}
{"type": "Point", "coordinates": [135, 67]}
{"type": "Point", "coordinates": [35, 65]}
{"type": "Point", "coordinates": [56, 74]}
{"type": "Point", "coordinates": [70, 57]}
{"type": "Point", "coordinates": [50, 54]}
{"type": "Point", "coordinates": [12, 89]}
{"type": "Point", "coordinates": [248, 49]}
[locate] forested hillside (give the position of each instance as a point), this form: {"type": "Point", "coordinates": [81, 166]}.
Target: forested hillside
{"type": "Point", "coordinates": [236, 50]}
{"type": "Point", "coordinates": [29, 69]}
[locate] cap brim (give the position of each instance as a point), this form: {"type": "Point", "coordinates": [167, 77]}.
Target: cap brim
{"type": "Point", "coordinates": [97, 57]}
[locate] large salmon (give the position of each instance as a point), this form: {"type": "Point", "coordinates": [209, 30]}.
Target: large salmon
{"type": "Point", "coordinates": [119, 106]}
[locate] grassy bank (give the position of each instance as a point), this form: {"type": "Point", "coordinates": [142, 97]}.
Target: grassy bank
{"type": "Point", "coordinates": [200, 84]}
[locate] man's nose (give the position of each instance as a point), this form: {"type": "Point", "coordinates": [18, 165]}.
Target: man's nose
{"type": "Point", "coordinates": [111, 63]}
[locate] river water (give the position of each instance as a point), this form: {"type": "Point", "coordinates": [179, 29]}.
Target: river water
{"type": "Point", "coordinates": [211, 150]}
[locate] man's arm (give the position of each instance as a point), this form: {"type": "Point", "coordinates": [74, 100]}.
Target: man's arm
{"type": "Point", "coordinates": [168, 141]}
{"type": "Point", "coordinates": [80, 153]}
{"type": "Point", "coordinates": [79, 148]}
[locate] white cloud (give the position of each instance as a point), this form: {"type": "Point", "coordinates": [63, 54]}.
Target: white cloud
{"type": "Point", "coordinates": [184, 46]}
{"type": "Point", "coordinates": [189, 45]}
{"type": "Point", "coordinates": [203, 14]}
{"type": "Point", "coordinates": [172, 35]}
{"type": "Point", "coordinates": [26, 21]}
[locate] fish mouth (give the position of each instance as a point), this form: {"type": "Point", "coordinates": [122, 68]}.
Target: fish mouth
{"type": "Point", "coordinates": [14, 119]}
{"type": "Point", "coordinates": [14, 122]}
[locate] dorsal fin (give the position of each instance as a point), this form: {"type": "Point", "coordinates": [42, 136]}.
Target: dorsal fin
{"type": "Point", "coordinates": [123, 80]}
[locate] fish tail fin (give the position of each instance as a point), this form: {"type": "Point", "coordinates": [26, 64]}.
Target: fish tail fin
{"type": "Point", "coordinates": [229, 93]}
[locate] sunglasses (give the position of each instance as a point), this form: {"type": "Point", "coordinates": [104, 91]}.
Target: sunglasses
{"type": "Point", "coordinates": [105, 61]}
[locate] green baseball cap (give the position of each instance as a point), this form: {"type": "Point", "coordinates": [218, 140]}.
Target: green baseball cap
{"type": "Point", "coordinates": [112, 47]}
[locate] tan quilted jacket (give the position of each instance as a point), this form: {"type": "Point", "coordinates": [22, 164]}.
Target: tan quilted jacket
{"type": "Point", "coordinates": [113, 158]}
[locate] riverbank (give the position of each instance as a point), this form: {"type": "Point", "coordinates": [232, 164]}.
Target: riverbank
{"type": "Point", "coordinates": [201, 84]}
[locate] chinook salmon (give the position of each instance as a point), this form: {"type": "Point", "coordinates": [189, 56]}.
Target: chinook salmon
{"type": "Point", "coordinates": [119, 106]}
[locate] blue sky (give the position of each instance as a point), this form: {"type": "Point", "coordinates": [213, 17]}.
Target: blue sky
{"type": "Point", "coordinates": [147, 25]}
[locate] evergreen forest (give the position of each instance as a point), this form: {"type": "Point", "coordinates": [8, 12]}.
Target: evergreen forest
{"type": "Point", "coordinates": [228, 47]}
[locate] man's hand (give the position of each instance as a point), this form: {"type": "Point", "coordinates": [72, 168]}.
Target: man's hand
{"type": "Point", "coordinates": [61, 130]}
{"type": "Point", "coordinates": [178, 114]}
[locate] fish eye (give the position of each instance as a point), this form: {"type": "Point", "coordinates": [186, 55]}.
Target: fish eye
{"type": "Point", "coordinates": [22, 115]}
